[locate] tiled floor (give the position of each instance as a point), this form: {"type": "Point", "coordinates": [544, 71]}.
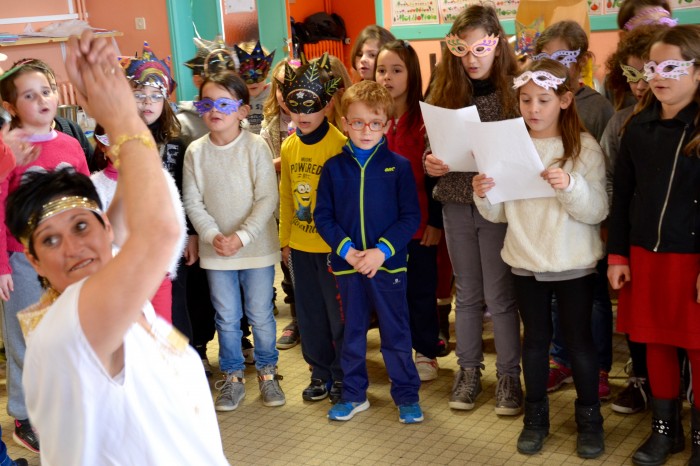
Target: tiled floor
{"type": "Point", "coordinates": [299, 433]}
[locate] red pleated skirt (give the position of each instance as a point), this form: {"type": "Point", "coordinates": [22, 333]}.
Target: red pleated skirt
{"type": "Point", "coordinates": [659, 304]}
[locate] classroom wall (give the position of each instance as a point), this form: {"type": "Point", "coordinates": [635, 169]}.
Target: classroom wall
{"type": "Point", "coordinates": [100, 14]}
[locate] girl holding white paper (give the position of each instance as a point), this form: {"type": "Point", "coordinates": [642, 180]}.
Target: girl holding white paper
{"type": "Point", "coordinates": [477, 67]}
{"type": "Point", "coordinates": [552, 246]}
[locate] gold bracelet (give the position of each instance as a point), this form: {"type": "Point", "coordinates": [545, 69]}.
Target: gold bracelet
{"type": "Point", "coordinates": [144, 138]}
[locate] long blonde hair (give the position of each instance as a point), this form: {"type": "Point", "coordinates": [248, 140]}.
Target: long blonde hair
{"type": "Point", "coordinates": [271, 108]}
{"type": "Point", "coordinates": [338, 70]}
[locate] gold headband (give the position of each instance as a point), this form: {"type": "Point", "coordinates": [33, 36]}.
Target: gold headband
{"type": "Point", "coordinates": [55, 207]}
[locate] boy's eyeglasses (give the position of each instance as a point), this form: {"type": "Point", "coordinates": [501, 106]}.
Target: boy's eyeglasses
{"type": "Point", "coordinates": [374, 125]}
{"type": "Point", "coordinates": [155, 98]}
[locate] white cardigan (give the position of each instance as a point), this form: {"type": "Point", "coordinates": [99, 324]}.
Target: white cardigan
{"type": "Point", "coordinates": [561, 233]}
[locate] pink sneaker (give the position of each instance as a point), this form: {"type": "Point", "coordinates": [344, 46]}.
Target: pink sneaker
{"type": "Point", "coordinates": [603, 386]}
{"type": "Point", "coordinates": [558, 376]}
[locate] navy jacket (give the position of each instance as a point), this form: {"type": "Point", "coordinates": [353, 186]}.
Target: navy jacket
{"type": "Point", "coordinates": [367, 205]}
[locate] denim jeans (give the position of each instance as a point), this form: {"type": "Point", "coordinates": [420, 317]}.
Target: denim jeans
{"type": "Point", "coordinates": [27, 292]}
{"type": "Point", "coordinates": [225, 287]}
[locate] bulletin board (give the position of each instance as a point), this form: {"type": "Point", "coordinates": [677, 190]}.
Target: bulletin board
{"type": "Point", "coordinates": [431, 19]}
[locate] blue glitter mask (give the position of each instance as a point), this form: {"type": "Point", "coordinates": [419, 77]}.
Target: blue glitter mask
{"type": "Point", "coordinates": [224, 105]}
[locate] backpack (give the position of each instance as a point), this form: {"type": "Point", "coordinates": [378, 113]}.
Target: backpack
{"type": "Point", "coordinates": [324, 26]}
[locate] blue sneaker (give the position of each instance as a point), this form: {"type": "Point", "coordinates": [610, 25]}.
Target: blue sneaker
{"type": "Point", "coordinates": [410, 413]}
{"type": "Point", "coordinates": [345, 410]}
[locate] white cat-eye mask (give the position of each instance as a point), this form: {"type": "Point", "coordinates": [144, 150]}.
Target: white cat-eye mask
{"type": "Point", "coordinates": [544, 79]}
{"type": "Point", "coordinates": [668, 69]}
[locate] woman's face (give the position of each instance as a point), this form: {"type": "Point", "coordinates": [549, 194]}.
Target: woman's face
{"type": "Point", "coordinates": [71, 246]}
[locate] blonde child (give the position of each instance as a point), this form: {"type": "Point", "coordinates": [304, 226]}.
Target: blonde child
{"type": "Point", "coordinates": [338, 70]}
{"type": "Point", "coordinates": [254, 65]}
{"type": "Point", "coordinates": [476, 69]}
{"type": "Point", "coordinates": [29, 94]}
{"type": "Point", "coordinates": [364, 51]}
{"type": "Point", "coordinates": [237, 240]}
{"type": "Point", "coordinates": [654, 254]}
{"type": "Point", "coordinates": [552, 246]}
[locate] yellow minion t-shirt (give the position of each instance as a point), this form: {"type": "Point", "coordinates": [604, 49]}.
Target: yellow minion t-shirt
{"type": "Point", "coordinates": [300, 171]}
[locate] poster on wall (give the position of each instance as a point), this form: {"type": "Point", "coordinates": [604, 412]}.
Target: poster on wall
{"type": "Point", "coordinates": [612, 7]}
{"type": "Point", "coordinates": [449, 9]}
{"type": "Point", "coordinates": [597, 7]}
{"type": "Point", "coordinates": [405, 12]}
{"type": "Point", "coordinates": [680, 4]}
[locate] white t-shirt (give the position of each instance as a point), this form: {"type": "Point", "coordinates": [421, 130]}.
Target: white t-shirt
{"type": "Point", "coordinates": [157, 411]}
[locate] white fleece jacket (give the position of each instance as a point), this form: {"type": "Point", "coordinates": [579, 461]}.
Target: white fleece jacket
{"type": "Point", "coordinates": [561, 233]}
{"type": "Point", "coordinates": [233, 189]}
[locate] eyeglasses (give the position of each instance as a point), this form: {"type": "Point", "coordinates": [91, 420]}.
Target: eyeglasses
{"type": "Point", "coordinates": [155, 98]}
{"type": "Point", "coordinates": [374, 125]}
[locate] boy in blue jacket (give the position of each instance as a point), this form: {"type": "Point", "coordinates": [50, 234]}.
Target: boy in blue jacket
{"type": "Point", "coordinates": [367, 211]}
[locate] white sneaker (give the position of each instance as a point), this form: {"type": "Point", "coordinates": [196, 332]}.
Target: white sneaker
{"type": "Point", "coordinates": [427, 368]}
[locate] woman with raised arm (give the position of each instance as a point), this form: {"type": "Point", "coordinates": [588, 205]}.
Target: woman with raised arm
{"type": "Point", "coordinates": [106, 381]}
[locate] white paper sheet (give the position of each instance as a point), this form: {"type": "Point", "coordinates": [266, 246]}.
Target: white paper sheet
{"type": "Point", "coordinates": [504, 151]}
{"type": "Point", "coordinates": [446, 130]}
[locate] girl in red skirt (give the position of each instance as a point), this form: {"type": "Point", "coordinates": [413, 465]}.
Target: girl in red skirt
{"type": "Point", "coordinates": [654, 240]}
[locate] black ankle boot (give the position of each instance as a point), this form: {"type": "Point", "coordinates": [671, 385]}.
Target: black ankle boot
{"type": "Point", "coordinates": [536, 427]}
{"type": "Point", "coordinates": [666, 434]}
{"type": "Point", "coordinates": [695, 437]}
{"type": "Point", "coordinates": [590, 442]}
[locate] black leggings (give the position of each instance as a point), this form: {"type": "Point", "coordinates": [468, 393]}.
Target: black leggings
{"type": "Point", "coordinates": [575, 298]}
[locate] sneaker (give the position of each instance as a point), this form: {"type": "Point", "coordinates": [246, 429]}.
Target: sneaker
{"type": "Point", "coordinates": [316, 391]}
{"type": "Point", "coordinates": [466, 388]}
{"type": "Point", "coordinates": [427, 368]}
{"type": "Point", "coordinates": [25, 436]}
{"type": "Point", "coordinates": [336, 391]}
{"type": "Point", "coordinates": [443, 345]}
{"type": "Point", "coordinates": [207, 367]}
{"type": "Point", "coordinates": [231, 391]}
{"type": "Point", "coordinates": [410, 413]}
{"type": "Point", "coordinates": [270, 390]}
{"type": "Point", "coordinates": [290, 336]}
{"type": "Point", "coordinates": [509, 396]}
{"type": "Point", "coordinates": [634, 398]}
{"type": "Point", "coordinates": [345, 410]}
{"type": "Point", "coordinates": [248, 351]}
{"type": "Point", "coordinates": [603, 386]}
{"type": "Point", "coordinates": [558, 375]}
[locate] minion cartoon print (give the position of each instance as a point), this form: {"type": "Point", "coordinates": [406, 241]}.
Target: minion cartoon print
{"type": "Point", "coordinates": [302, 197]}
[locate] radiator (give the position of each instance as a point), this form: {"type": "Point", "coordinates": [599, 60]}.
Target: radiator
{"type": "Point", "coordinates": [333, 47]}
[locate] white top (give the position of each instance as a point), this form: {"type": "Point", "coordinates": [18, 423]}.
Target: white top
{"type": "Point", "coordinates": [233, 189]}
{"type": "Point", "coordinates": [106, 187]}
{"type": "Point", "coordinates": [561, 233]}
{"type": "Point", "coordinates": [157, 411]}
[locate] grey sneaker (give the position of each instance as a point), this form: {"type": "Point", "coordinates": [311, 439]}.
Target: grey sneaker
{"type": "Point", "coordinates": [231, 391]}
{"type": "Point", "coordinates": [270, 390]}
{"type": "Point", "coordinates": [509, 396]}
{"type": "Point", "coordinates": [466, 388]}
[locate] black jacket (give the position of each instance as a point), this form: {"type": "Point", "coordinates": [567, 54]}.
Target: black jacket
{"type": "Point", "coordinates": [71, 128]}
{"type": "Point", "coordinates": [656, 187]}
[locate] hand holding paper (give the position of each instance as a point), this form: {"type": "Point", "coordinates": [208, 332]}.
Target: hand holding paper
{"type": "Point", "coordinates": [445, 128]}
{"type": "Point", "coordinates": [504, 151]}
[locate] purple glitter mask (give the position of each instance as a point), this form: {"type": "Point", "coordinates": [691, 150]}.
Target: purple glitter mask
{"type": "Point", "coordinates": [223, 105]}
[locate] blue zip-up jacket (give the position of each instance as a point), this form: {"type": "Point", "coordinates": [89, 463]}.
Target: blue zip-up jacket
{"type": "Point", "coordinates": [367, 206]}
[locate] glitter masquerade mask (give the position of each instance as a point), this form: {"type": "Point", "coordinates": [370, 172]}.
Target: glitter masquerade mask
{"type": "Point", "coordinates": [302, 88]}
{"type": "Point", "coordinates": [222, 104]}
{"type": "Point", "coordinates": [655, 15]}
{"type": "Point", "coordinates": [459, 48]}
{"type": "Point", "coordinates": [149, 71]}
{"type": "Point", "coordinates": [632, 74]}
{"type": "Point", "coordinates": [565, 57]}
{"type": "Point", "coordinates": [544, 79]}
{"type": "Point", "coordinates": [668, 69]}
{"type": "Point", "coordinates": [56, 207]}
{"type": "Point", "coordinates": [255, 65]}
